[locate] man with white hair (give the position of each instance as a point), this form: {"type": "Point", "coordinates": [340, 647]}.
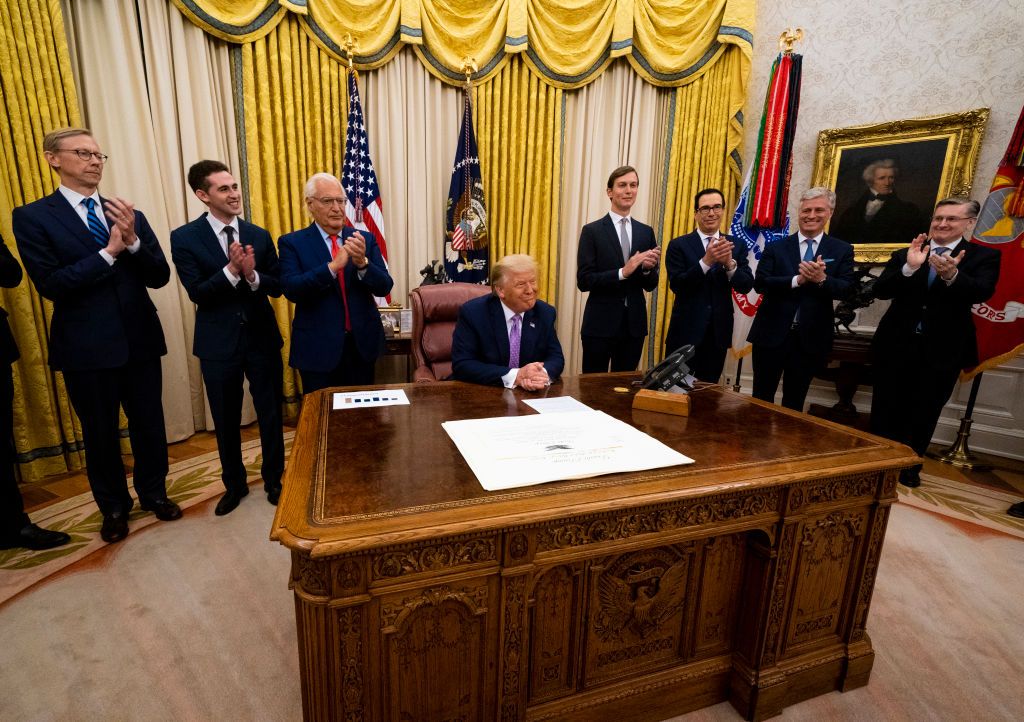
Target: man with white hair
{"type": "Point", "coordinates": [331, 272]}
{"type": "Point", "coordinates": [879, 215]}
{"type": "Point", "coordinates": [508, 338]}
{"type": "Point", "coordinates": [798, 277]}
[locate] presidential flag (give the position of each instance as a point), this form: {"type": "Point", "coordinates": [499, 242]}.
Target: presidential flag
{"type": "Point", "coordinates": [364, 208]}
{"type": "Point", "coordinates": [999, 322]}
{"type": "Point", "coordinates": [465, 218]}
{"type": "Point", "coordinates": [762, 215]}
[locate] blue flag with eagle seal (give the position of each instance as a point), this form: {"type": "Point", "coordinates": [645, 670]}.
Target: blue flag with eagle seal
{"type": "Point", "coordinates": [466, 236]}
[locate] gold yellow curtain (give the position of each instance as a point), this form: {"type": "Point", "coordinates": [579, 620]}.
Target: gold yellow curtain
{"type": "Point", "coordinates": [519, 137]}
{"type": "Point", "coordinates": [35, 97]}
{"type": "Point", "coordinates": [295, 104]}
{"type": "Point", "coordinates": [668, 42]}
{"type": "Point", "coordinates": [704, 138]}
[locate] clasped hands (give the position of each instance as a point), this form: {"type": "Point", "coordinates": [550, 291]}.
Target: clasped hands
{"type": "Point", "coordinates": [242, 261]}
{"type": "Point", "coordinates": [354, 249]}
{"type": "Point", "coordinates": [811, 272]}
{"type": "Point", "coordinates": [720, 251]}
{"type": "Point", "coordinates": [121, 217]}
{"type": "Point", "coordinates": [641, 259]}
{"type": "Point", "coordinates": [532, 376]}
{"type": "Point", "coordinates": [945, 264]}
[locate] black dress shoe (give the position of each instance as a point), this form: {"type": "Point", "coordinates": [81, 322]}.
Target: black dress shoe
{"type": "Point", "coordinates": [1017, 510]}
{"type": "Point", "coordinates": [163, 509]}
{"type": "Point", "coordinates": [230, 500]}
{"type": "Point", "coordinates": [33, 537]}
{"type": "Point", "coordinates": [910, 478]}
{"type": "Point", "coordinates": [274, 493]}
{"type": "Point", "coordinates": [115, 527]}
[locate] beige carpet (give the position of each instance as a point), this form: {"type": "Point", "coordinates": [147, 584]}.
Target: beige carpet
{"type": "Point", "coordinates": [193, 620]}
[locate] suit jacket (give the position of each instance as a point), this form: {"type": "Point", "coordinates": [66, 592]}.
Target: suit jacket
{"type": "Point", "coordinates": [942, 311]}
{"type": "Point", "coordinates": [102, 314]}
{"type": "Point", "coordinates": [10, 276]}
{"type": "Point", "coordinates": [779, 262]}
{"type": "Point", "coordinates": [897, 221]}
{"type": "Point", "coordinates": [222, 309]}
{"type": "Point", "coordinates": [703, 298]}
{"type": "Point", "coordinates": [318, 329]}
{"type": "Point", "coordinates": [598, 261]}
{"type": "Point", "coordinates": [480, 344]}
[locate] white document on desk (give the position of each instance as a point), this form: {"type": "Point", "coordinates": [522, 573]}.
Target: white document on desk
{"type": "Point", "coordinates": [513, 451]}
{"type": "Point", "coordinates": [556, 405]}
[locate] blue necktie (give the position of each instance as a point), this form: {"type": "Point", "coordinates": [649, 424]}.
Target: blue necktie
{"type": "Point", "coordinates": [932, 275]}
{"type": "Point", "coordinates": [809, 253]}
{"type": "Point", "coordinates": [99, 232]}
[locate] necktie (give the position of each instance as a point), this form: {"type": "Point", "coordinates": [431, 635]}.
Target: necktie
{"type": "Point", "coordinates": [230, 233]}
{"type": "Point", "coordinates": [341, 282]}
{"type": "Point", "coordinates": [514, 336]}
{"type": "Point", "coordinates": [809, 253]}
{"type": "Point", "coordinates": [932, 275]}
{"type": "Point", "coordinates": [99, 232]}
{"type": "Point", "coordinates": [624, 239]}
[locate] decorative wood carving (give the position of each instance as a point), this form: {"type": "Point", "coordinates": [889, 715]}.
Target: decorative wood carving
{"type": "Point", "coordinates": [433, 557]}
{"type": "Point", "coordinates": [718, 599]}
{"type": "Point", "coordinates": [350, 655]}
{"type": "Point", "coordinates": [777, 605]}
{"type": "Point", "coordinates": [310, 576]}
{"type": "Point", "coordinates": [609, 527]}
{"type": "Point", "coordinates": [553, 631]}
{"type": "Point", "coordinates": [835, 489]}
{"type": "Point", "coordinates": [867, 582]}
{"type": "Point", "coordinates": [349, 575]}
{"type": "Point", "coordinates": [514, 602]}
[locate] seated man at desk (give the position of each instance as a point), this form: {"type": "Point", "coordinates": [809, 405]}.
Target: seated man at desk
{"type": "Point", "coordinates": [508, 338]}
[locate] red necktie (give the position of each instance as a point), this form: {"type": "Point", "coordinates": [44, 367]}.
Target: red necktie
{"type": "Point", "coordinates": [341, 282]}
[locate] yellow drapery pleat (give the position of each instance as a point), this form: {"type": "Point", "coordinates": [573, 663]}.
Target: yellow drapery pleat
{"type": "Point", "coordinates": [518, 122]}
{"type": "Point", "coordinates": [295, 108]}
{"type": "Point", "coordinates": [35, 97]}
{"type": "Point", "coordinates": [668, 42]}
{"type": "Point", "coordinates": [702, 141]}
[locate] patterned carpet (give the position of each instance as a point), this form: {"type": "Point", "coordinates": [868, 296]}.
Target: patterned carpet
{"type": "Point", "coordinates": [968, 502]}
{"type": "Point", "coordinates": [189, 482]}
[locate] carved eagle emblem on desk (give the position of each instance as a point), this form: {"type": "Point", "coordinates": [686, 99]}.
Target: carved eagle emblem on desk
{"type": "Point", "coordinates": [642, 600]}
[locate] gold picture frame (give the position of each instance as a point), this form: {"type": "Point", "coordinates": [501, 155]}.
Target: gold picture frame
{"type": "Point", "coordinates": [936, 157]}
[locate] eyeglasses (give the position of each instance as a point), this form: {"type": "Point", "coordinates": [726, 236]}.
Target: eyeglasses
{"type": "Point", "coordinates": [330, 201]}
{"type": "Point", "coordinates": [85, 154]}
{"type": "Point", "coordinates": [950, 219]}
{"type": "Point", "coordinates": [717, 208]}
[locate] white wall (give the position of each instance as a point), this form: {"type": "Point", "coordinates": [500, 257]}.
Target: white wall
{"type": "Point", "coordinates": [866, 61]}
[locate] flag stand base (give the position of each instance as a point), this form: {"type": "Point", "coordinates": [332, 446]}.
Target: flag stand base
{"type": "Point", "coordinates": [958, 453]}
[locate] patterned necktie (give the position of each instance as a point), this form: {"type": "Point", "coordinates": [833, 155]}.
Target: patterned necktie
{"type": "Point", "coordinates": [230, 233]}
{"type": "Point", "coordinates": [514, 336]}
{"type": "Point", "coordinates": [624, 239]}
{"type": "Point", "coordinates": [932, 274]}
{"type": "Point", "coordinates": [341, 282]}
{"type": "Point", "coordinates": [99, 232]}
{"type": "Point", "coordinates": [809, 253]}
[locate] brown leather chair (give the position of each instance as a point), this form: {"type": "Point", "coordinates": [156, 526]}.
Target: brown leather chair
{"type": "Point", "coordinates": [435, 309]}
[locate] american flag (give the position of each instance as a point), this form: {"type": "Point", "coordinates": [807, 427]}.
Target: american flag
{"type": "Point", "coordinates": [364, 208]}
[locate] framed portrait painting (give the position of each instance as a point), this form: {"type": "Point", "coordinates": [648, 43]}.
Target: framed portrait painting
{"type": "Point", "coordinates": [888, 176]}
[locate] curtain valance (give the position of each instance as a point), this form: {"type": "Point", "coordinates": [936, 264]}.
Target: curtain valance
{"type": "Point", "coordinates": [568, 43]}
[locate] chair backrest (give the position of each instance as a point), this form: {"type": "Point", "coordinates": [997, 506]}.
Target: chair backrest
{"type": "Point", "coordinates": [435, 309]}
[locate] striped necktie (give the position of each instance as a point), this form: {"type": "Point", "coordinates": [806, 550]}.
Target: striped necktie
{"type": "Point", "coordinates": [99, 232]}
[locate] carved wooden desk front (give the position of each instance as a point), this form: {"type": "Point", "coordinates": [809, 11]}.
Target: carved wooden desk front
{"type": "Point", "coordinates": [746, 576]}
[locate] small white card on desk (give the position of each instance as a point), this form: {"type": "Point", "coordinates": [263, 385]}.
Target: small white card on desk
{"type": "Point", "coordinates": [363, 399]}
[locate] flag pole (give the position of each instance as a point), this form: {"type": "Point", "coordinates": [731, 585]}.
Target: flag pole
{"type": "Point", "coordinates": [958, 453]}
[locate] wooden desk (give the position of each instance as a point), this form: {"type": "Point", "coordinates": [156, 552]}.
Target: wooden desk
{"type": "Point", "coordinates": [419, 596]}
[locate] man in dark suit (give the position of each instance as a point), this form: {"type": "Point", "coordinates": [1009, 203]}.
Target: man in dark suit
{"type": "Point", "coordinates": [927, 334]}
{"type": "Point", "coordinates": [799, 277]}
{"type": "Point", "coordinates": [94, 258]}
{"type": "Point", "coordinates": [508, 338]}
{"type": "Point", "coordinates": [703, 267]}
{"type": "Point", "coordinates": [332, 273]}
{"type": "Point", "coordinates": [16, 530]}
{"type": "Point", "coordinates": [879, 215]}
{"type": "Point", "coordinates": [229, 268]}
{"type": "Point", "coordinates": [616, 262]}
